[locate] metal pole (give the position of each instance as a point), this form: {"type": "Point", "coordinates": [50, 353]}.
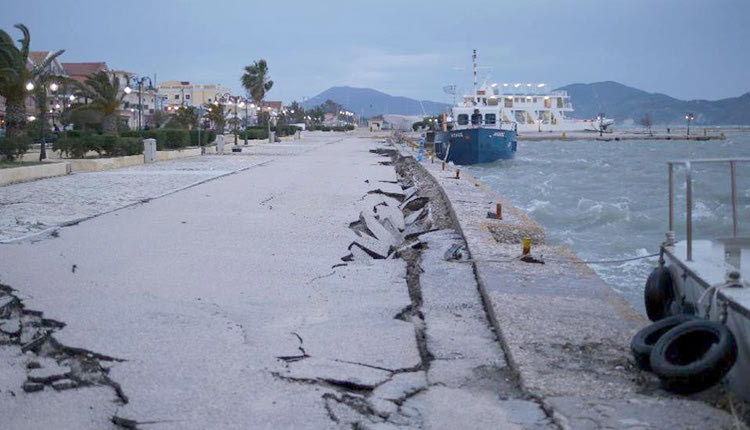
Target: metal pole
{"type": "Point", "coordinates": [246, 103]}
{"type": "Point", "coordinates": [140, 102]}
{"type": "Point", "coordinates": [689, 210]}
{"type": "Point", "coordinates": [671, 196]}
{"type": "Point", "coordinates": [733, 174]}
{"type": "Point", "coordinates": [236, 121]}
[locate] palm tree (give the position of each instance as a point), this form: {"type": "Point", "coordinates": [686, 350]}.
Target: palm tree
{"type": "Point", "coordinates": [256, 81]}
{"type": "Point", "coordinates": [15, 75]}
{"type": "Point", "coordinates": [106, 97]}
{"type": "Point", "coordinates": [217, 116]}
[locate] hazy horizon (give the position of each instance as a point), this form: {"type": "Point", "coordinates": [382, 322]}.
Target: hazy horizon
{"type": "Point", "coordinates": [687, 50]}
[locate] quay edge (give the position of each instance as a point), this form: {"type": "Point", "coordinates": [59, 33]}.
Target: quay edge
{"type": "Point", "coordinates": [565, 332]}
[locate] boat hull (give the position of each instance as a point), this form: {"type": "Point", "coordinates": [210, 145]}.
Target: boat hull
{"type": "Point", "coordinates": [475, 145]}
{"type": "Point", "coordinates": [689, 285]}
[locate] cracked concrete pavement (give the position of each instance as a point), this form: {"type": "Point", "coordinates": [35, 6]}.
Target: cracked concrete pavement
{"type": "Point", "coordinates": [231, 307]}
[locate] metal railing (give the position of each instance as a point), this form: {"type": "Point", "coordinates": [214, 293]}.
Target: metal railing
{"type": "Point", "coordinates": [689, 194]}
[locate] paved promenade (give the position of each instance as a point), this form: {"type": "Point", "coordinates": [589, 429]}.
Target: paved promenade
{"type": "Point", "coordinates": [250, 301]}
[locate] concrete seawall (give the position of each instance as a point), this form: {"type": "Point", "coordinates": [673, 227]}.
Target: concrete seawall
{"type": "Point", "coordinates": [565, 332]}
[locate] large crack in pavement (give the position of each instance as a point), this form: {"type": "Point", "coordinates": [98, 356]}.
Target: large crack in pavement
{"type": "Point", "coordinates": [399, 220]}
{"type": "Point", "coordinates": [50, 364]}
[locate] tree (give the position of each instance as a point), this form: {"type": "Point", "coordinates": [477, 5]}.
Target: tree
{"type": "Point", "coordinates": [217, 116]}
{"type": "Point", "coordinates": [187, 116]}
{"type": "Point", "coordinates": [105, 97]}
{"type": "Point", "coordinates": [647, 122]}
{"type": "Point", "coordinates": [296, 112]}
{"type": "Point", "coordinates": [14, 77]}
{"type": "Point", "coordinates": [158, 118]}
{"type": "Point", "coordinates": [256, 81]}
{"type": "Point", "coordinates": [317, 115]}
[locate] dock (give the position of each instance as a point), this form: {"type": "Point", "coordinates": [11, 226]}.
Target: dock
{"type": "Point", "coordinates": [614, 136]}
{"type": "Point", "coordinates": [330, 282]}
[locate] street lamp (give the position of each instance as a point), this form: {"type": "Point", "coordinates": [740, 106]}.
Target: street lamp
{"type": "Point", "coordinates": [689, 117]}
{"type": "Point", "coordinates": [237, 101]}
{"type": "Point", "coordinates": [139, 83]}
{"type": "Point", "coordinates": [30, 86]}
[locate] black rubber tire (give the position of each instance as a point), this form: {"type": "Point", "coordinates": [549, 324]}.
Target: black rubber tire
{"type": "Point", "coordinates": [694, 356]}
{"type": "Point", "coordinates": [659, 293]}
{"type": "Point", "coordinates": [643, 341]}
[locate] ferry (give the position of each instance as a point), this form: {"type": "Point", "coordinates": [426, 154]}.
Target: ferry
{"type": "Point", "coordinates": [529, 107]}
{"type": "Point", "coordinates": [699, 298]}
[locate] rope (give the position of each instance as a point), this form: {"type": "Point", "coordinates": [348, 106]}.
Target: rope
{"type": "Point", "coordinates": [510, 260]}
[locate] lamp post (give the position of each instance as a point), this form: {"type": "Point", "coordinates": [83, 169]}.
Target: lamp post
{"type": "Point", "coordinates": [139, 83]}
{"type": "Point", "coordinates": [236, 100]}
{"type": "Point", "coordinates": [689, 117]}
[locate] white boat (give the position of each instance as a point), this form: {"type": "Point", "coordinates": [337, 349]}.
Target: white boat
{"type": "Point", "coordinates": [529, 106]}
{"type": "Point", "coordinates": [708, 279]}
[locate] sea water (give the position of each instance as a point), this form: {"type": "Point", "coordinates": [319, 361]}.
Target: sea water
{"type": "Point", "coordinates": [609, 200]}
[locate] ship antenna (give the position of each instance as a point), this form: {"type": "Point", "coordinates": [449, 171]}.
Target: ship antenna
{"type": "Point", "coordinates": [474, 61]}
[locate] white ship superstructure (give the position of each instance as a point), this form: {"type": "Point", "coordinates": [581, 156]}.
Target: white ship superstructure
{"type": "Point", "coordinates": [527, 105]}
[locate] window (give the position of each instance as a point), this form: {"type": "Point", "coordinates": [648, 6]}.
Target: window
{"type": "Point", "coordinates": [176, 96]}
{"type": "Point", "coordinates": [187, 97]}
{"type": "Point", "coordinates": [559, 102]}
{"type": "Point", "coordinates": [476, 119]}
{"type": "Point", "coordinates": [463, 119]}
{"type": "Point", "coordinates": [490, 118]}
{"type": "Point", "coordinates": [509, 102]}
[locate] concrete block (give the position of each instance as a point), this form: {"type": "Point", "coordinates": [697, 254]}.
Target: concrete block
{"type": "Point", "coordinates": [49, 374]}
{"type": "Point", "coordinates": [149, 150]}
{"type": "Point", "coordinates": [30, 173]}
{"type": "Point", "coordinates": [64, 384]}
{"type": "Point", "coordinates": [180, 153]}
{"type": "Point", "coordinates": [32, 387]}
{"type": "Point", "coordinates": [377, 229]}
{"type": "Point", "coordinates": [220, 144]}
{"type": "Point", "coordinates": [396, 217]}
{"type": "Point", "coordinates": [101, 164]}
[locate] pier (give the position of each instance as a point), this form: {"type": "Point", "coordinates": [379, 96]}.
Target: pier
{"type": "Point", "coordinates": [330, 282]}
{"type": "Point", "coordinates": [618, 135]}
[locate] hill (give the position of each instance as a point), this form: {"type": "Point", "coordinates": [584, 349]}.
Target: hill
{"type": "Point", "coordinates": [624, 103]}
{"type": "Point", "coordinates": [369, 102]}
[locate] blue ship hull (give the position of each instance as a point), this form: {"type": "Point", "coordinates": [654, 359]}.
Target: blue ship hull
{"type": "Point", "coordinates": [475, 145]}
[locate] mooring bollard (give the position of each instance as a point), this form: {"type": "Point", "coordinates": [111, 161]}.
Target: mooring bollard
{"type": "Point", "coordinates": [526, 245]}
{"type": "Point", "coordinates": [499, 211]}
{"type": "Point", "coordinates": [458, 173]}
{"type": "Point", "coordinates": [443, 165]}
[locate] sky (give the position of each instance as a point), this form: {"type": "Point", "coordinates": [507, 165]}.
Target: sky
{"type": "Point", "coordinates": [687, 49]}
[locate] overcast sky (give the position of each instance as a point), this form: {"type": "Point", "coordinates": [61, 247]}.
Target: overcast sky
{"type": "Point", "coordinates": [686, 49]}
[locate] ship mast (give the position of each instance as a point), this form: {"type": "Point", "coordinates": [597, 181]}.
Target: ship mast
{"type": "Point", "coordinates": [474, 61]}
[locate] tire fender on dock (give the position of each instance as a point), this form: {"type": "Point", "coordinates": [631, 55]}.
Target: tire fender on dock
{"type": "Point", "coordinates": [643, 341]}
{"type": "Point", "coordinates": [694, 356]}
{"type": "Point", "coordinates": [659, 293]}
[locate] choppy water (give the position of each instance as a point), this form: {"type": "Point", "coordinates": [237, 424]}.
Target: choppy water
{"type": "Point", "coordinates": [608, 200]}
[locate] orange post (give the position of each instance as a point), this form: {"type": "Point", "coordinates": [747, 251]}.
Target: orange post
{"type": "Point", "coordinates": [526, 245]}
{"type": "Point", "coordinates": [499, 211]}
{"type": "Point", "coordinates": [458, 173]}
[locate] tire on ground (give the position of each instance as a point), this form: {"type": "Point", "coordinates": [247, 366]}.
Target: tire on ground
{"type": "Point", "coordinates": [694, 356]}
{"type": "Point", "coordinates": [643, 341]}
{"type": "Point", "coordinates": [659, 293]}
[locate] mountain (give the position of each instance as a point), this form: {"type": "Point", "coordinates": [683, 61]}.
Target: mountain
{"type": "Point", "coordinates": [369, 102]}
{"type": "Point", "coordinates": [624, 103]}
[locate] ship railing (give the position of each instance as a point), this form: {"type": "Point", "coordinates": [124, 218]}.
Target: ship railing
{"type": "Point", "coordinates": [732, 162]}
